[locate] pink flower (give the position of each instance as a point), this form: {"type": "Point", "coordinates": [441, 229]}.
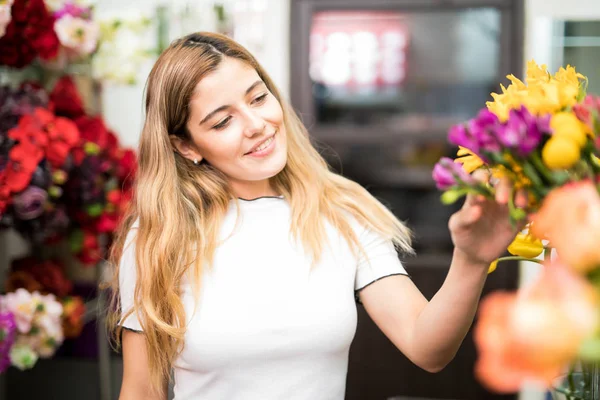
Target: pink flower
{"type": "Point", "coordinates": [77, 34]}
{"type": "Point", "coordinates": [533, 335]}
{"type": "Point", "coordinates": [22, 305]}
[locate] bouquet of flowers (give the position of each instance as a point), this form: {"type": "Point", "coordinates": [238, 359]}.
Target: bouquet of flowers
{"type": "Point", "coordinates": [542, 135]}
{"type": "Point", "coordinates": [62, 172]}
{"type": "Point", "coordinates": [48, 277]}
{"type": "Point", "coordinates": [55, 32]}
{"type": "Point", "coordinates": [58, 34]}
{"type": "Point", "coordinates": [30, 328]}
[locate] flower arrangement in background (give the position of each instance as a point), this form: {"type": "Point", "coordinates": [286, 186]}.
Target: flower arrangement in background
{"type": "Point", "coordinates": [38, 313]}
{"type": "Point", "coordinates": [64, 177]}
{"type": "Point", "coordinates": [57, 34]}
{"type": "Point", "coordinates": [29, 34]}
{"type": "Point", "coordinates": [64, 32]}
{"type": "Point", "coordinates": [63, 173]}
{"type": "Point", "coordinates": [30, 328]}
{"type": "Point", "coordinates": [122, 49]}
{"type": "Point", "coordinates": [542, 135]}
{"type": "Point", "coordinates": [49, 277]}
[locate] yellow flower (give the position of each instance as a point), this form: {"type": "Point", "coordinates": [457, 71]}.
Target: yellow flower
{"type": "Point", "coordinates": [560, 152]}
{"type": "Point", "coordinates": [515, 173]}
{"type": "Point", "coordinates": [469, 161]}
{"type": "Point", "coordinates": [566, 124]}
{"type": "Point", "coordinates": [497, 107]}
{"type": "Point", "coordinates": [536, 73]}
{"type": "Point", "coordinates": [526, 245]}
{"type": "Point", "coordinates": [569, 75]}
{"type": "Point", "coordinates": [493, 266]}
{"type": "Point", "coordinates": [542, 94]}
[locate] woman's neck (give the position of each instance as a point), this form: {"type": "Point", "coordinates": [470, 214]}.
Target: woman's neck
{"type": "Point", "coordinates": [253, 190]}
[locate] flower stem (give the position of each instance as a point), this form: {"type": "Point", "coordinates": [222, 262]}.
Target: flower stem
{"type": "Point", "coordinates": [535, 260]}
{"type": "Point", "coordinates": [547, 253]}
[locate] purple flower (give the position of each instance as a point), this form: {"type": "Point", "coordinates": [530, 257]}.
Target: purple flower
{"type": "Point", "coordinates": [447, 173]}
{"type": "Point", "coordinates": [29, 204]}
{"type": "Point", "coordinates": [479, 134]}
{"type": "Point", "coordinates": [484, 128]}
{"type": "Point", "coordinates": [8, 331]}
{"type": "Point", "coordinates": [523, 131]}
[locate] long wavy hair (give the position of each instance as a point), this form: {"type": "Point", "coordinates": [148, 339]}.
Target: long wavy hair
{"type": "Point", "coordinates": [179, 206]}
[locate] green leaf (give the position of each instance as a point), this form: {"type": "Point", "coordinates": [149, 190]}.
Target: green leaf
{"type": "Point", "coordinates": [76, 241]}
{"type": "Point", "coordinates": [452, 195]}
{"type": "Point", "coordinates": [95, 210]}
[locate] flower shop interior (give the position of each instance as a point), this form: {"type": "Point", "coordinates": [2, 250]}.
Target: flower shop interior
{"type": "Point", "coordinates": [378, 83]}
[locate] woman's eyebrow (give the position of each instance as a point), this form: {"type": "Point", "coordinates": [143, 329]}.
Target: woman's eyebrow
{"type": "Point", "coordinates": [226, 106]}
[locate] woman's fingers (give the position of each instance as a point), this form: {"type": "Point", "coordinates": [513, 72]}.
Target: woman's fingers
{"type": "Point", "coordinates": [503, 190]}
{"type": "Point", "coordinates": [465, 217]}
{"type": "Point", "coordinates": [521, 198]}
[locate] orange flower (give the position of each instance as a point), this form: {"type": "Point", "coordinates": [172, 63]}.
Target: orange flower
{"type": "Point", "coordinates": [570, 219]}
{"type": "Point", "coordinates": [534, 334]}
{"type": "Point", "coordinates": [72, 318]}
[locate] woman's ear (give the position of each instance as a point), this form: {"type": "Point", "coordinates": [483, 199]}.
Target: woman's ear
{"type": "Point", "coordinates": [184, 148]}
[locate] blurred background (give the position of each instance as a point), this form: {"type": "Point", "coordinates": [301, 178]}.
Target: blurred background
{"type": "Point", "coordinates": [378, 84]}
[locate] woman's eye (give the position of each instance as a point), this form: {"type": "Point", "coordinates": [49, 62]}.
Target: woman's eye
{"type": "Point", "coordinates": [222, 124]}
{"type": "Point", "coordinates": [260, 99]}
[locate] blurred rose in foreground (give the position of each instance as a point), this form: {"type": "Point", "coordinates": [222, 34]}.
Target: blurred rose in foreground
{"type": "Point", "coordinates": [533, 335]}
{"type": "Point", "coordinates": [569, 219]}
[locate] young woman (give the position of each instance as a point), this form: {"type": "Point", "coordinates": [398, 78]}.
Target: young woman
{"type": "Point", "coordinates": [239, 263]}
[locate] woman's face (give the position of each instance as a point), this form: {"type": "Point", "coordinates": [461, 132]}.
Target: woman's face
{"type": "Point", "coordinates": [237, 126]}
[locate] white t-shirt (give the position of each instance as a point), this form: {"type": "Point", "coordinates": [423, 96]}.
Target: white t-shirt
{"type": "Point", "coordinates": [267, 326]}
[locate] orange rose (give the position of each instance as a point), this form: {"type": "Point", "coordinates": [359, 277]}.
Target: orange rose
{"type": "Point", "coordinates": [570, 219]}
{"type": "Point", "coordinates": [533, 335]}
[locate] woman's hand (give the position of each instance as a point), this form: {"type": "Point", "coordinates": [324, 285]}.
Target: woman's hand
{"type": "Point", "coordinates": [481, 230]}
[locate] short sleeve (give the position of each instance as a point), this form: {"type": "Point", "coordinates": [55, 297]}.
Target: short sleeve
{"type": "Point", "coordinates": [127, 282]}
{"type": "Point", "coordinates": [379, 260]}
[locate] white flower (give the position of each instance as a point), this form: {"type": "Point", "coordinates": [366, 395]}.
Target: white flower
{"type": "Point", "coordinates": [22, 357]}
{"type": "Point", "coordinates": [77, 34]}
{"type": "Point", "coordinates": [48, 344]}
{"type": "Point", "coordinates": [124, 47]}
{"type": "Point", "coordinates": [5, 16]}
{"type": "Point", "coordinates": [52, 307]}
{"type": "Point", "coordinates": [55, 5]}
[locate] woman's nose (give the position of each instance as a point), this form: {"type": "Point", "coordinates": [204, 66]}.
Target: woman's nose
{"type": "Point", "coordinates": [254, 124]}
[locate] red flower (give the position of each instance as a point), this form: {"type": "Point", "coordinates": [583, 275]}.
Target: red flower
{"type": "Point", "coordinates": [64, 135]}
{"type": "Point", "coordinates": [107, 223]}
{"type": "Point", "coordinates": [49, 274]}
{"type": "Point", "coordinates": [126, 167]}
{"type": "Point", "coordinates": [52, 277]}
{"type": "Point", "coordinates": [112, 145]}
{"type": "Point", "coordinates": [4, 193]}
{"type": "Point", "coordinates": [50, 135]}
{"type": "Point", "coordinates": [90, 253]}
{"type": "Point", "coordinates": [24, 159]}
{"type": "Point", "coordinates": [46, 43]}
{"type": "Point", "coordinates": [30, 128]}
{"type": "Point", "coordinates": [92, 129]}
{"type": "Point", "coordinates": [30, 33]}
{"type": "Point", "coordinates": [22, 279]}
{"type": "Point", "coordinates": [66, 100]}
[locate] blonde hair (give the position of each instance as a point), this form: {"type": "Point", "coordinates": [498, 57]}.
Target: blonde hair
{"type": "Point", "coordinates": [180, 205]}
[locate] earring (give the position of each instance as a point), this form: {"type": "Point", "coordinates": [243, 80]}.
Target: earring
{"type": "Point", "coordinates": [195, 161]}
